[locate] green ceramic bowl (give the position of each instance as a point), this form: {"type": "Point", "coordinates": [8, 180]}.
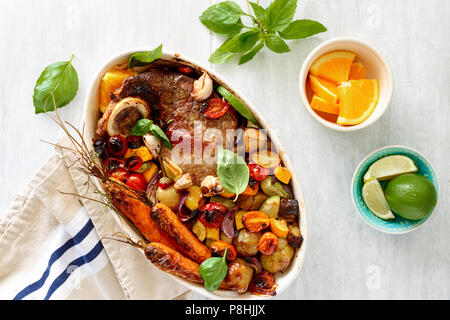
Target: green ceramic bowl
{"type": "Point", "coordinates": [397, 225]}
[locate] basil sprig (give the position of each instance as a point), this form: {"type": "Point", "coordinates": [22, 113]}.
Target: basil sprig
{"type": "Point", "coordinates": [270, 26]}
{"type": "Point", "coordinates": [144, 126]}
{"type": "Point", "coordinates": [232, 171]}
{"type": "Point", "coordinates": [140, 59]}
{"type": "Point", "coordinates": [237, 104]}
{"type": "Point", "coordinates": [213, 271]}
{"type": "Point", "coordinates": [58, 83]}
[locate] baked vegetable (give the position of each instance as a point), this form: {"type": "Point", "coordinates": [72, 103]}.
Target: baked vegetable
{"type": "Point", "coordinates": [168, 221]}
{"type": "Point", "coordinates": [246, 243]}
{"type": "Point", "coordinates": [137, 212]}
{"type": "Point", "coordinates": [239, 276]}
{"type": "Point", "coordinates": [294, 238]}
{"type": "Point", "coordinates": [289, 209]}
{"type": "Point", "coordinates": [173, 262]}
{"type": "Point", "coordinates": [280, 259]}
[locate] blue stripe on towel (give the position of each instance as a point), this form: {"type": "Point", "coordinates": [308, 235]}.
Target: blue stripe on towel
{"type": "Point", "coordinates": [55, 256]}
{"type": "Point", "coordinates": [91, 255]}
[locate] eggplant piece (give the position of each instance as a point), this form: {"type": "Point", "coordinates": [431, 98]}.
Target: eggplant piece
{"type": "Point", "coordinates": [273, 188]}
{"type": "Point", "coordinates": [294, 238]}
{"type": "Point", "coordinates": [289, 210]}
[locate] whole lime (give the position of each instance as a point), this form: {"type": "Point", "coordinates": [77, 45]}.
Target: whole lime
{"type": "Point", "coordinates": [411, 196]}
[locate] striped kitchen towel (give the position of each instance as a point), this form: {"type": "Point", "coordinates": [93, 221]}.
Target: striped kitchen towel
{"type": "Point", "coordinates": [50, 246]}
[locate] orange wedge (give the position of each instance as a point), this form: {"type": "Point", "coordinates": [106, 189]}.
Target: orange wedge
{"type": "Point", "coordinates": [333, 66]}
{"type": "Point", "coordinates": [111, 81]}
{"type": "Point", "coordinates": [320, 104]}
{"type": "Point", "coordinates": [358, 99]}
{"type": "Point", "coordinates": [357, 71]}
{"type": "Point", "coordinates": [324, 89]}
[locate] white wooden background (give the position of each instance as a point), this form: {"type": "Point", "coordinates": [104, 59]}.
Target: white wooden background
{"type": "Point", "coordinates": [345, 257]}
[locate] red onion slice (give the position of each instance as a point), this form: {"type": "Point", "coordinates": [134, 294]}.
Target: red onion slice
{"type": "Point", "coordinates": [183, 213]}
{"type": "Point", "coordinates": [152, 184]}
{"type": "Point", "coordinates": [227, 225]}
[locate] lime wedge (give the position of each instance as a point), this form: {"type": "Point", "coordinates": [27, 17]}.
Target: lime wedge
{"type": "Point", "coordinates": [375, 200]}
{"type": "Point", "coordinates": [390, 167]}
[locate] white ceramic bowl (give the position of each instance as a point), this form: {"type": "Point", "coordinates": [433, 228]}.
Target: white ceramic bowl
{"type": "Point", "coordinates": [376, 68]}
{"type": "Point", "coordinates": [92, 114]}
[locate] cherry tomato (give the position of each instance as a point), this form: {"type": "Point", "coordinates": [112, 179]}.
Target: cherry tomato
{"type": "Point", "coordinates": [133, 163]}
{"type": "Point", "coordinates": [134, 142]}
{"type": "Point", "coordinates": [257, 172]}
{"type": "Point", "coordinates": [215, 108]}
{"type": "Point", "coordinates": [263, 284]}
{"type": "Point", "coordinates": [136, 181]}
{"type": "Point", "coordinates": [211, 214]}
{"type": "Point", "coordinates": [117, 145]}
{"type": "Point", "coordinates": [185, 70]}
{"type": "Point", "coordinates": [120, 174]}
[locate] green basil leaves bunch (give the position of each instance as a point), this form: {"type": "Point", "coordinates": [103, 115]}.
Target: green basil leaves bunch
{"type": "Point", "coordinates": [271, 26]}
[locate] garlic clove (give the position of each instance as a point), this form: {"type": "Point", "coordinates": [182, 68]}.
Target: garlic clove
{"type": "Point", "coordinates": [210, 186]}
{"type": "Point", "coordinates": [153, 144]}
{"type": "Point", "coordinates": [184, 182]}
{"type": "Point", "coordinates": [203, 87]}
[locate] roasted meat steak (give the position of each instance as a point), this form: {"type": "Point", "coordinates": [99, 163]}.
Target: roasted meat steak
{"type": "Point", "coordinates": [168, 93]}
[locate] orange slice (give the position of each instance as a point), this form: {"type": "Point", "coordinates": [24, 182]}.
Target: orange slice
{"type": "Point", "coordinates": [320, 104]}
{"type": "Point", "coordinates": [111, 81]}
{"type": "Point", "coordinates": [324, 89]}
{"type": "Point", "coordinates": [333, 66]}
{"type": "Point", "coordinates": [358, 99]}
{"type": "Point", "coordinates": [357, 71]}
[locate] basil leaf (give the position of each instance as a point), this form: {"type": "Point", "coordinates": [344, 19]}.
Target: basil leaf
{"type": "Point", "coordinates": [213, 271]}
{"type": "Point", "coordinates": [300, 29]}
{"type": "Point", "coordinates": [236, 104]}
{"type": "Point", "coordinates": [239, 43]}
{"type": "Point", "coordinates": [58, 81]}
{"type": "Point", "coordinates": [144, 126]}
{"type": "Point", "coordinates": [223, 18]}
{"type": "Point", "coordinates": [141, 127]}
{"type": "Point", "coordinates": [280, 13]}
{"type": "Point", "coordinates": [159, 133]}
{"type": "Point", "coordinates": [260, 12]}
{"type": "Point", "coordinates": [140, 59]}
{"type": "Point", "coordinates": [232, 171]}
{"type": "Point", "coordinates": [251, 53]}
{"type": "Point", "coordinates": [276, 44]}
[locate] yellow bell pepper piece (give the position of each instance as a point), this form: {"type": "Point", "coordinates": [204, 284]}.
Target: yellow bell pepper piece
{"type": "Point", "coordinates": [212, 233]}
{"type": "Point", "coordinates": [238, 219]}
{"type": "Point", "coordinates": [282, 174]}
{"type": "Point", "coordinates": [149, 173]}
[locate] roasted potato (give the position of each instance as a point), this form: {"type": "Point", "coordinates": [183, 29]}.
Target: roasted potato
{"type": "Point", "coordinates": [239, 276]}
{"type": "Point", "coordinates": [246, 243]}
{"type": "Point", "coordinates": [280, 259]}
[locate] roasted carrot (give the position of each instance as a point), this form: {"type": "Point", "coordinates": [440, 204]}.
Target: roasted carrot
{"type": "Point", "coordinates": [168, 221]}
{"type": "Point", "coordinates": [137, 212]}
{"type": "Point", "coordinates": [173, 262]}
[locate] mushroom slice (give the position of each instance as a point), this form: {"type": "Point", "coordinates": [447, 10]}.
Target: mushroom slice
{"type": "Point", "coordinates": [125, 114]}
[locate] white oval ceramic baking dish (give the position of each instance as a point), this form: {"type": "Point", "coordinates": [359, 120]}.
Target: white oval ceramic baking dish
{"type": "Point", "coordinates": [92, 114]}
